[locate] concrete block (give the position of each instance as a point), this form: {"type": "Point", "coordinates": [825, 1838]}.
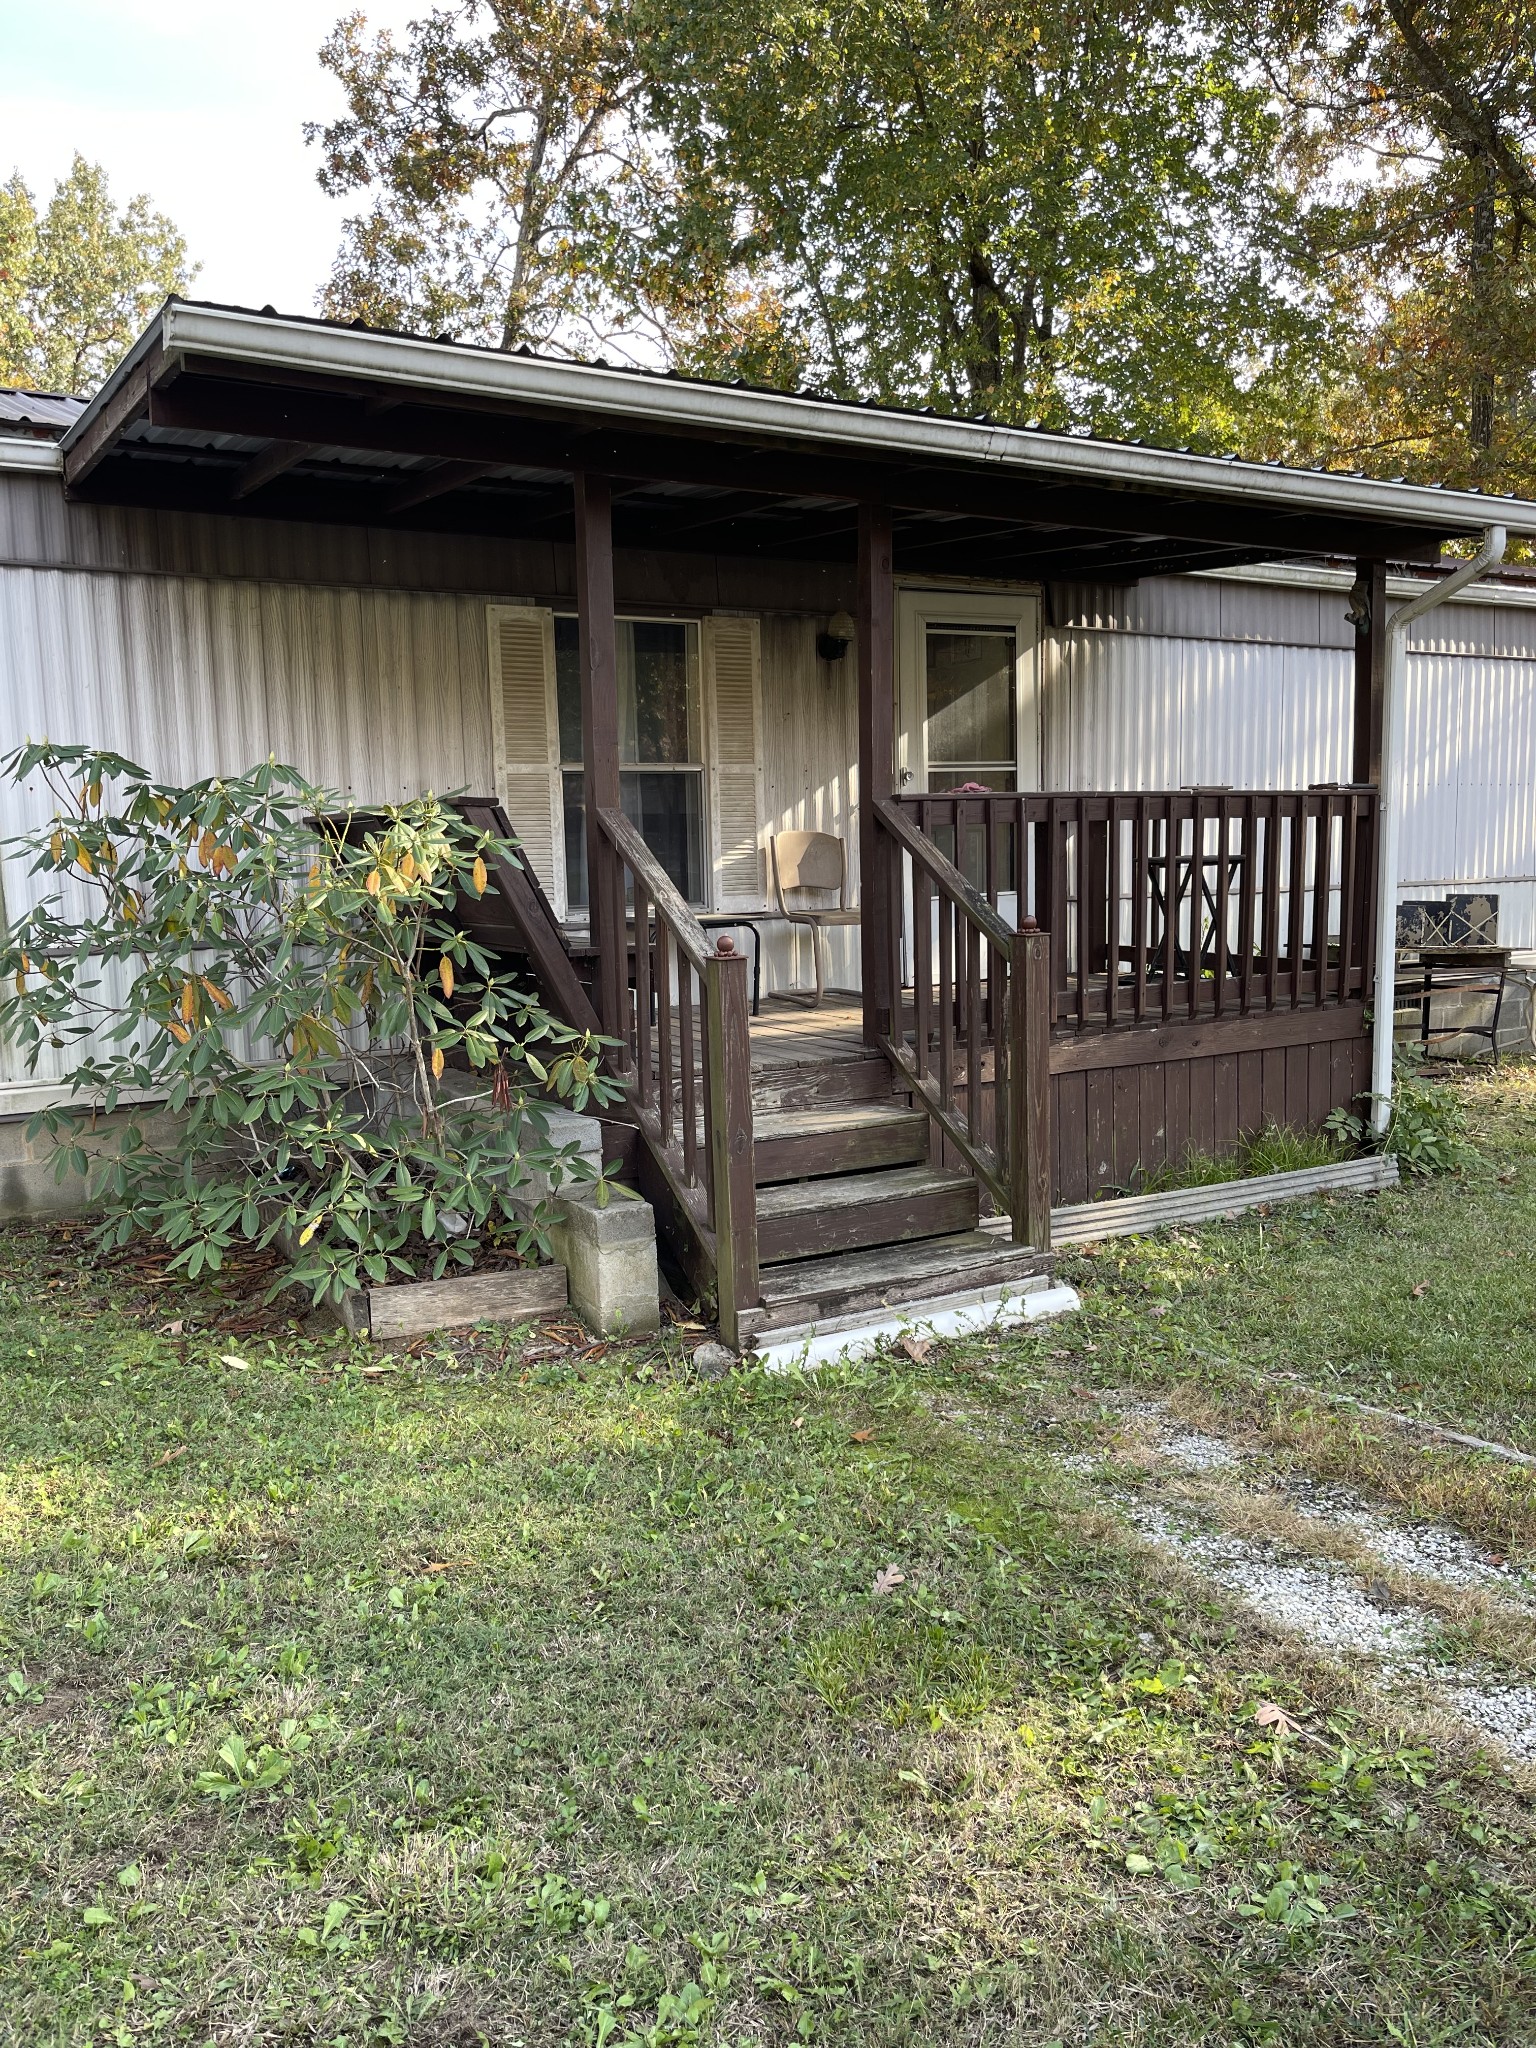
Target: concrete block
{"type": "Point", "coordinates": [29, 1182]}
{"type": "Point", "coordinates": [610, 1257]}
{"type": "Point", "coordinates": [567, 1128]}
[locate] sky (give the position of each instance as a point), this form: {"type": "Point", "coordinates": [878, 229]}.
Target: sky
{"type": "Point", "coordinates": [200, 104]}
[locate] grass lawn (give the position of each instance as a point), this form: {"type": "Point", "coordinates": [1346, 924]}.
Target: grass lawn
{"type": "Point", "coordinates": [461, 1696]}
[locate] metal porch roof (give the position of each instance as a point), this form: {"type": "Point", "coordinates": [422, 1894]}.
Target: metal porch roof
{"type": "Point", "coordinates": [222, 409]}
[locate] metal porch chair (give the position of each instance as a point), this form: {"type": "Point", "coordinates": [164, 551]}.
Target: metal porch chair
{"type": "Point", "coordinates": [808, 865]}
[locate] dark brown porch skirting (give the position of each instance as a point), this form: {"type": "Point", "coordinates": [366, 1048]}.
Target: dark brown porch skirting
{"type": "Point", "coordinates": [1125, 1100]}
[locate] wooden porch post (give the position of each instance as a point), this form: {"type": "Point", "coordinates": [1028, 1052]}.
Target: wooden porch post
{"type": "Point", "coordinates": [1370, 670]}
{"type": "Point", "coordinates": [600, 737]}
{"type": "Point", "coordinates": [877, 684]}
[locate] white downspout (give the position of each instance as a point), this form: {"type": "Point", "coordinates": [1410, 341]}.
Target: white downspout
{"type": "Point", "coordinates": [1390, 809]}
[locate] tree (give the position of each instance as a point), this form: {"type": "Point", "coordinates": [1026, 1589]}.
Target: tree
{"type": "Point", "coordinates": [79, 280]}
{"type": "Point", "coordinates": [499, 147]}
{"type": "Point", "coordinates": [1057, 210]}
{"type": "Point", "coordinates": [1411, 126]}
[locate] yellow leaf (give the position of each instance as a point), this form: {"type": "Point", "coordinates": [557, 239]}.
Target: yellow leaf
{"type": "Point", "coordinates": [178, 1032]}
{"type": "Point", "coordinates": [314, 874]}
{"type": "Point", "coordinates": [26, 964]}
{"type": "Point", "coordinates": [374, 883]}
{"type": "Point", "coordinates": [205, 847]}
{"type": "Point", "coordinates": [83, 858]}
{"type": "Point", "coordinates": [223, 860]}
{"type": "Point", "coordinates": [56, 847]}
{"type": "Point", "coordinates": [479, 876]}
{"type": "Point", "coordinates": [438, 1062]}
{"type": "Point", "coordinates": [224, 1002]}
{"type": "Point", "coordinates": [95, 794]}
{"type": "Point", "coordinates": [21, 984]}
{"type": "Point", "coordinates": [188, 1002]}
{"type": "Point", "coordinates": [308, 1232]}
{"type": "Point", "coordinates": [368, 986]}
{"type": "Point", "coordinates": [445, 974]}
{"type": "Point", "coordinates": [408, 867]}
{"type": "Point", "coordinates": [130, 906]}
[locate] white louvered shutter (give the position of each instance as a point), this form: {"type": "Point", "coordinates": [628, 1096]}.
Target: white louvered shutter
{"type": "Point", "coordinates": [525, 722]}
{"type": "Point", "coordinates": [733, 677]}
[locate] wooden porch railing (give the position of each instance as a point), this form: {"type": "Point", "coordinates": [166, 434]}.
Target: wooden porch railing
{"type": "Point", "coordinates": [974, 1044]}
{"type": "Point", "coordinates": [686, 1051]}
{"type": "Point", "coordinates": [1176, 904]}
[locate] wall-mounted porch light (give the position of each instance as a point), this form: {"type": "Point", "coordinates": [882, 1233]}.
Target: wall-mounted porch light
{"type": "Point", "coordinates": [834, 643]}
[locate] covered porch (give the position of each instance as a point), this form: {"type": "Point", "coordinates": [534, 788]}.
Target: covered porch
{"type": "Point", "coordinates": [1048, 988]}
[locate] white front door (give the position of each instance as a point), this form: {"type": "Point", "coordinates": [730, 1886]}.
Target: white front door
{"type": "Point", "coordinates": [970, 700]}
{"type": "Point", "coordinates": [970, 708]}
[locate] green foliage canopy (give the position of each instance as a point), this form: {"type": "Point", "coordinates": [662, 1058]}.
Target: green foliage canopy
{"type": "Point", "coordinates": [1058, 212]}
{"type": "Point", "coordinates": [79, 278]}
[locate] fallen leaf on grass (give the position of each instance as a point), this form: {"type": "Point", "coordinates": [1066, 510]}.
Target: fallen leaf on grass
{"type": "Point", "coordinates": [176, 1451]}
{"type": "Point", "coordinates": [887, 1581]}
{"type": "Point", "coordinates": [452, 1564]}
{"type": "Point", "coordinates": [1268, 1715]}
{"type": "Point", "coordinates": [798, 1423]}
{"type": "Point", "coordinates": [173, 1329]}
{"type": "Point", "coordinates": [917, 1348]}
{"type": "Point", "coordinates": [1420, 1290]}
{"type": "Point", "coordinates": [861, 1436]}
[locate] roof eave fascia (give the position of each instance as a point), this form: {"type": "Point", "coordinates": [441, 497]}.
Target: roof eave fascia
{"type": "Point", "coordinates": [153, 334]}
{"type": "Point", "coordinates": [251, 338]}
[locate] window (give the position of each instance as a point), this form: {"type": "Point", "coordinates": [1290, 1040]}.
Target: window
{"type": "Point", "coordinates": [661, 754]}
{"type": "Point", "coordinates": [971, 706]}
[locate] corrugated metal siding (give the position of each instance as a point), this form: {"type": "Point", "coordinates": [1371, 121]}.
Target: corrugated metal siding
{"type": "Point", "coordinates": [377, 694]}
{"type": "Point", "coordinates": [1135, 711]}
{"type": "Point", "coordinates": [1133, 704]}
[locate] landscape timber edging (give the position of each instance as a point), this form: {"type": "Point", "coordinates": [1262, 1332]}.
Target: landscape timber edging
{"type": "Point", "coordinates": [414, 1308]}
{"type": "Point", "coordinates": [1135, 1215]}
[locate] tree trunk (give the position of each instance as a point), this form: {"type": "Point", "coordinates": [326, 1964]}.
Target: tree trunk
{"type": "Point", "coordinates": [1483, 258]}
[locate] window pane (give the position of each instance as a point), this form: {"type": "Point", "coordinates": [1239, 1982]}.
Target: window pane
{"type": "Point", "coordinates": [568, 687]}
{"type": "Point", "coordinates": [668, 813]}
{"type": "Point", "coordinates": [575, 843]}
{"type": "Point", "coordinates": [658, 701]}
{"type": "Point", "coordinates": [970, 697]}
{"type": "Point", "coordinates": [657, 715]}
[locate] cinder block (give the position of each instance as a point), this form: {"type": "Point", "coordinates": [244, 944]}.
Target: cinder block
{"type": "Point", "coordinates": [610, 1257]}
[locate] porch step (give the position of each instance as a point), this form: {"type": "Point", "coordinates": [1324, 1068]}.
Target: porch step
{"type": "Point", "coordinates": [848, 1137]}
{"type": "Point", "coordinates": [817, 1083]}
{"type": "Point", "coordinates": [808, 1291]}
{"type": "Point", "coordinates": [811, 1218]}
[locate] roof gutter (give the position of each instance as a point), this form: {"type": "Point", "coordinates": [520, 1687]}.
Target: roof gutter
{"type": "Point", "coordinates": [1390, 810]}
{"type": "Point", "coordinates": [258, 339]}
{"type": "Point", "coordinates": [41, 458]}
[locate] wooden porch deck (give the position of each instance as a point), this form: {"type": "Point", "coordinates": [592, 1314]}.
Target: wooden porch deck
{"type": "Point", "coordinates": [786, 1034]}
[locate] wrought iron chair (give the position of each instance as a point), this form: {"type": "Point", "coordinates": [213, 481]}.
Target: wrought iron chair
{"type": "Point", "coordinates": [807, 866]}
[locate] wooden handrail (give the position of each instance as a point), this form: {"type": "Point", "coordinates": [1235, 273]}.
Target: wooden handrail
{"type": "Point", "coordinates": [1172, 906]}
{"type": "Point", "coordinates": [659, 886]}
{"type": "Point", "coordinates": [978, 1056]}
{"type": "Point", "coordinates": [691, 1072]}
{"type": "Point", "coordinates": [945, 873]}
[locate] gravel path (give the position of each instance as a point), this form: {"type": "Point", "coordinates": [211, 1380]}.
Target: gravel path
{"type": "Point", "coordinates": [1321, 1601]}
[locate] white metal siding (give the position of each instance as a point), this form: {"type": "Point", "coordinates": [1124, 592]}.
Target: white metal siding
{"type": "Point", "coordinates": [1133, 701]}
{"type": "Point", "coordinates": [377, 694]}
